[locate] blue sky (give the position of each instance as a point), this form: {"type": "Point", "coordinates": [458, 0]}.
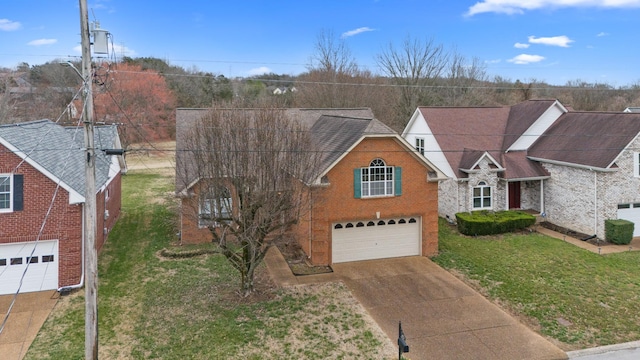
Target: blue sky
{"type": "Point", "coordinates": [546, 40]}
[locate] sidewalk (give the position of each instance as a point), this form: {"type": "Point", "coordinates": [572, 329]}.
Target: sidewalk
{"type": "Point", "coordinates": [605, 248]}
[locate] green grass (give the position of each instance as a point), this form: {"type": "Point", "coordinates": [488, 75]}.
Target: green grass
{"type": "Point", "coordinates": [154, 307]}
{"type": "Point", "coordinates": [550, 282]}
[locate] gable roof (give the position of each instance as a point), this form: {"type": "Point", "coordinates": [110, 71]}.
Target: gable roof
{"type": "Point", "coordinates": [592, 139]}
{"type": "Point", "coordinates": [334, 132]}
{"type": "Point", "coordinates": [521, 117]}
{"type": "Point", "coordinates": [59, 153]}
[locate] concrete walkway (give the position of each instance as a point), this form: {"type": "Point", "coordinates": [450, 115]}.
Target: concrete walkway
{"type": "Point", "coordinates": [441, 316]}
{"type": "Point", "coordinates": [29, 312]}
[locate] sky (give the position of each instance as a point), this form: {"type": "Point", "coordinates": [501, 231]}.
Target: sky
{"type": "Point", "coordinates": [555, 41]}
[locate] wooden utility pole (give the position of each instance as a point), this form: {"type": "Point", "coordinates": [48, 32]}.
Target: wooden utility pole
{"type": "Point", "coordinates": [90, 251]}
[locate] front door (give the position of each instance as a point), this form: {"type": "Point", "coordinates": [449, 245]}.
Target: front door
{"type": "Point", "coordinates": [514, 195]}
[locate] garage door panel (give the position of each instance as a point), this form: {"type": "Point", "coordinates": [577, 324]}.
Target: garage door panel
{"type": "Point", "coordinates": [39, 260]}
{"type": "Point", "coordinates": [632, 214]}
{"type": "Point", "coordinates": [375, 242]}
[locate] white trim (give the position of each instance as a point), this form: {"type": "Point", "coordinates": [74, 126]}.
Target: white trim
{"type": "Point", "coordinates": [538, 127]}
{"type": "Point", "coordinates": [482, 197]}
{"type": "Point", "coordinates": [11, 194]}
{"type": "Point", "coordinates": [636, 164]}
{"type": "Point", "coordinates": [477, 163]}
{"type": "Point", "coordinates": [74, 196]}
{"type": "Point", "coordinates": [578, 166]}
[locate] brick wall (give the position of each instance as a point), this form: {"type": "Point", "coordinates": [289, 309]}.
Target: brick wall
{"type": "Point", "coordinates": [336, 202]}
{"type": "Point", "coordinates": [64, 221]}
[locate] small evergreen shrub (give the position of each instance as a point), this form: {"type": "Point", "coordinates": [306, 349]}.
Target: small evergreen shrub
{"type": "Point", "coordinates": [618, 231]}
{"type": "Point", "coordinates": [486, 222]}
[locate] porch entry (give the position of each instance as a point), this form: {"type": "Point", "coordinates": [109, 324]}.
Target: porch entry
{"type": "Point", "coordinates": [514, 195]}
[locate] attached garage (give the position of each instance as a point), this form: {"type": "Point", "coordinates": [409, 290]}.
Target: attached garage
{"type": "Point", "coordinates": [41, 266]}
{"type": "Point", "coordinates": [375, 239]}
{"type": "Point", "coordinates": [631, 212]}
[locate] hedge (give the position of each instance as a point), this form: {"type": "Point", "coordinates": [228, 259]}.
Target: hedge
{"type": "Point", "coordinates": [618, 231]}
{"type": "Point", "coordinates": [486, 222]}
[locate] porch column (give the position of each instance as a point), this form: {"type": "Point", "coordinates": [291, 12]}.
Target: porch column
{"type": "Point", "coordinates": [506, 205]}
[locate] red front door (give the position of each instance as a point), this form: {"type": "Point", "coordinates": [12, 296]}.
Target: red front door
{"type": "Point", "coordinates": [514, 195]}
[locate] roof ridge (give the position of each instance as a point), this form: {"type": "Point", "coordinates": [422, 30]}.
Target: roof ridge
{"type": "Point", "coordinates": [31, 122]}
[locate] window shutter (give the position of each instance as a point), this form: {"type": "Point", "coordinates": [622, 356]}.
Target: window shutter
{"type": "Point", "coordinates": [357, 184]}
{"type": "Point", "coordinates": [18, 197]}
{"type": "Point", "coordinates": [397, 179]}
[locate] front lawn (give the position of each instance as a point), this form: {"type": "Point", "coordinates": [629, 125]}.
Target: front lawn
{"type": "Point", "coordinates": [152, 307]}
{"type": "Point", "coordinates": [575, 296]}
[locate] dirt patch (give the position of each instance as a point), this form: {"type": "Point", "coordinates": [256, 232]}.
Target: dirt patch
{"type": "Point", "coordinates": [297, 259]}
{"type": "Point", "coordinates": [575, 234]}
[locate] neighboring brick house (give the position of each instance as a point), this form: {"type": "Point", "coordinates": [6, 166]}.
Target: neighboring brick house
{"type": "Point", "coordinates": [374, 197]}
{"type": "Point", "coordinates": [42, 176]}
{"type": "Point", "coordinates": [578, 169]}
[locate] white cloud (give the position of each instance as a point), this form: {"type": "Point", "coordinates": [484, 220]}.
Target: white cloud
{"type": "Point", "coordinates": [524, 59]}
{"type": "Point", "coordinates": [259, 71]}
{"type": "Point", "coordinates": [495, 61]}
{"type": "Point", "coordinates": [602, 34]}
{"type": "Point", "coordinates": [561, 41]}
{"type": "Point", "coordinates": [41, 42]}
{"type": "Point", "coordinates": [8, 25]}
{"type": "Point", "coordinates": [520, 6]}
{"type": "Point", "coordinates": [521, 46]}
{"type": "Point", "coordinates": [356, 32]}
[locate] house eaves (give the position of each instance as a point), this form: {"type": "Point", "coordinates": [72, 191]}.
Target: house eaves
{"type": "Point", "coordinates": [577, 166]}
{"type": "Point", "coordinates": [74, 196]}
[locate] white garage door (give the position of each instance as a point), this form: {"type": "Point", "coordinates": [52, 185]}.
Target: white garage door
{"type": "Point", "coordinates": [41, 267]}
{"type": "Point", "coordinates": [631, 212]}
{"type": "Point", "coordinates": [375, 239]}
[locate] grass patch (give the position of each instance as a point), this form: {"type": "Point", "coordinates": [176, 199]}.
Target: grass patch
{"type": "Point", "coordinates": [158, 307]}
{"type": "Point", "coordinates": [575, 296]}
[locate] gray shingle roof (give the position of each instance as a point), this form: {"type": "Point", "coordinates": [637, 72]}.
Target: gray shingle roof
{"type": "Point", "coordinates": [60, 150]}
{"type": "Point", "coordinates": [333, 131]}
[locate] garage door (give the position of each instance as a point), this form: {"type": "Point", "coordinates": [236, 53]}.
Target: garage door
{"type": "Point", "coordinates": [631, 212]}
{"type": "Point", "coordinates": [41, 267]}
{"type": "Point", "coordinates": [375, 239]}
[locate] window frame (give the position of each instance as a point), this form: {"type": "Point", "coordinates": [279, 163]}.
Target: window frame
{"type": "Point", "coordinates": [9, 193]}
{"type": "Point", "coordinates": [482, 186]}
{"type": "Point", "coordinates": [636, 164]}
{"type": "Point", "coordinates": [222, 209]}
{"type": "Point", "coordinates": [420, 145]}
{"type": "Point", "coordinates": [377, 180]}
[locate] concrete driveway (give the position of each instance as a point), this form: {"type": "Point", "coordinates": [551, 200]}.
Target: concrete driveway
{"type": "Point", "coordinates": [441, 316]}
{"type": "Point", "coordinates": [29, 312]}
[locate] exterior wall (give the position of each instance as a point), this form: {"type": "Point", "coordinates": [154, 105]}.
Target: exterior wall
{"type": "Point", "coordinates": [64, 222]}
{"type": "Point", "coordinates": [583, 199]}
{"type": "Point", "coordinates": [190, 230]}
{"type": "Point", "coordinates": [335, 202]}
{"type": "Point", "coordinates": [450, 197]}
{"type": "Point", "coordinates": [530, 195]}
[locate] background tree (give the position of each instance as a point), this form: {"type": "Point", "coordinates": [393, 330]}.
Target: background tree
{"type": "Point", "coordinates": [138, 99]}
{"type": "Point", "coordinates": [415, 69]}
{"type": "Point", "coordinates": [251, 162]}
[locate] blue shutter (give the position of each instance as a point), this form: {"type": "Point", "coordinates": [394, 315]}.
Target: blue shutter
{"type": "Point", "coordinates": [357, 184]}
{"type": "Point", "coordinates": [18, 197]}
{"type": "Point", "coordinates": [397, 179]}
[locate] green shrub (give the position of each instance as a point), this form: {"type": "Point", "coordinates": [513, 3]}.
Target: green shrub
{"type": "Point", "coordinates": [618, 231]}
{"type": "Point", "coordinates": [486, 222]}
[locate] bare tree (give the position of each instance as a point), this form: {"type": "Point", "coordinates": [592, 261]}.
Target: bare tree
{"type": "Point", "coordinates": [414, 68]}
{"type": "Point", "coordinates": [251, 164]}
{"type": "Point", "coordinates": [465, 82]}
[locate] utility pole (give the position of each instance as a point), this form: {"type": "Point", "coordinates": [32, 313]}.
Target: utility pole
{"type": "Point", "coordinates": [90, 251]}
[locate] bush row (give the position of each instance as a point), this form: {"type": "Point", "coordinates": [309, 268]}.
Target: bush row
{"type": "Point", "coordinates": [485, 222]}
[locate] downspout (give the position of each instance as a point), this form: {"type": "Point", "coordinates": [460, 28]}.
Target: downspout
{"type": "Point", "coordinates": [66, 289]}
{"type": "Point", "coordinates": [310, 224]}
{"type": "Point", "coordinates": [595, 202]}
{"type": "Point", "coordinates": [542, 196]}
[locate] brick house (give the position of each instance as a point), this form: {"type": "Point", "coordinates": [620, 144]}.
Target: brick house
{"type": "Point", "coordinates": [374, 197]}
{"type": "Point", "coordinates": [576, 168]}
{"type": "Point", "coordinates": [41, 202]}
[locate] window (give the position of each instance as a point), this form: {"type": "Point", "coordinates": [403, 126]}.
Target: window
{"type": "Point", "coordinates": [47, 258]}
{"type": "Point", "coordinates": [212, 209]}
{"type": "Point", "coordinates": [482, 196]}
{"type": "Point", "coordinates": [377, 179]}
{"type": "Point", "coordinates": [5, 193]}
{"type": "Point", "coordinates": [420, 145]}
{"type": "Point", "coordinates": [636, 164]}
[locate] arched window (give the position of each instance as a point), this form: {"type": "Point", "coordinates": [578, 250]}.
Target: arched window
{"type": "Point", "coordinates": [377, 179]}
{"type": "Point", "coordinates": [482, 196]}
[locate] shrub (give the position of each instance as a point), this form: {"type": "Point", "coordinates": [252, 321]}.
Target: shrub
{"type": "Point", "coordinates": [618, 231]}
{"type": "Point", "coordinates": [486, 222]}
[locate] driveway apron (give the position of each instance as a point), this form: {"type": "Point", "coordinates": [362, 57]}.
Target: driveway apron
{"type": "Point", "coordinates": [441, 316]}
